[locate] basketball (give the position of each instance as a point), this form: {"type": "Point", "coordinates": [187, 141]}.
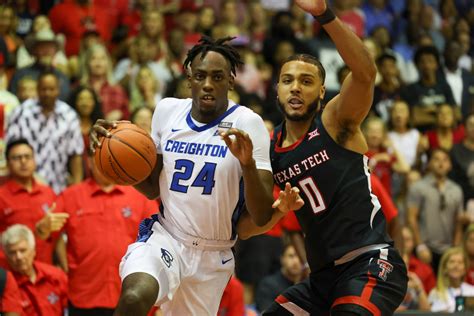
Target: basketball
{"type": "Point", "coordinates": [128, 156]}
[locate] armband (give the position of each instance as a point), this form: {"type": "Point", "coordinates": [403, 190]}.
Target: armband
{"type": "Point", "coordinates": [326, 17]}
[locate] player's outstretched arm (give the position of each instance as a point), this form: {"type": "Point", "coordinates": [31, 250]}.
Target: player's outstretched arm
{"type": "Point", "coordinates": [353, 103]}
{"type": "Point", "coordinates": [287, 201]}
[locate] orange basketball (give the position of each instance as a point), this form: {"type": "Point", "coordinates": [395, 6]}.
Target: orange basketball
{"type": "Point", "coordinates": [128, 156]}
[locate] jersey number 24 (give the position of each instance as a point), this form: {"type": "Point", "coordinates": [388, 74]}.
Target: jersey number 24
{"type": "Point", "coordinates": [184, 170]}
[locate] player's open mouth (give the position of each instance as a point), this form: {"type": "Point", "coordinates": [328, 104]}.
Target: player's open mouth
{"type": "Point", "coordinates": [295, 103]}
{"type": "Point", "coordinates": [207, 99]}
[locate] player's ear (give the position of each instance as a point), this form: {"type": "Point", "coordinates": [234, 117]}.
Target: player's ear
{"type": "Point", "coordinates": [322, 92]}
{"type": "Point", "coordinates": [231, 83]}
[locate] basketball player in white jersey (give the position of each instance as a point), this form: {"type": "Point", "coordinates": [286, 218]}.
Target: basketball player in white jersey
{"type": "Point", "coordinates": [214, 177]}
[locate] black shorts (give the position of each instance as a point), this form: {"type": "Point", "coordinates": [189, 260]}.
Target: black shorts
{"type": "Point", "coordinates": [374, 283]}
{"type": "Point", "coordinates": [257, 257]}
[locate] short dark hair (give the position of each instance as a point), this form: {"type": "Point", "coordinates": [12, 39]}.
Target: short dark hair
{"type": "Point", "coordinates": [311, 60]}
{"type": "Point", "coordinates": [207, 44]}
{"type": "Point", "coordinates": [48, 71]}
{"type": "Point", "coordinates": [426, 50]}
{"type": "Point", "coordinates": [436, 149]}
{"type": "Point", "coordinates": [15, 142]}
{"type": "Point", "coordinates": [386, 55]}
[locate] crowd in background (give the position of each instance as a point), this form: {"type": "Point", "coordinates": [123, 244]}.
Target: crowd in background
{"type": "Point", "coordinates": [65, 64]}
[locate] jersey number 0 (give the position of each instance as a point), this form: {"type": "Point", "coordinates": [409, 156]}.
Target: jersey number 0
{"type": "Point", "coordinates": [313, 194]}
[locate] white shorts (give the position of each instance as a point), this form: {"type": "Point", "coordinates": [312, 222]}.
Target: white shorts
{"type": "Point", "coordinates": [191, 279]}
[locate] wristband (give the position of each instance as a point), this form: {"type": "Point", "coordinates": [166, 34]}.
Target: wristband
{"type": "Point", "coordinates": [326, 17]}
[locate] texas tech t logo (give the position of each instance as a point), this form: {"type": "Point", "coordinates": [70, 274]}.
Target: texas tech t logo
{"type": "Point", "coordinates": [385, 268]}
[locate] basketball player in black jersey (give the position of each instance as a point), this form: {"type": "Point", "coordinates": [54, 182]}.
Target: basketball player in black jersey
{"type": "Point", "coordinates": [354, 268]}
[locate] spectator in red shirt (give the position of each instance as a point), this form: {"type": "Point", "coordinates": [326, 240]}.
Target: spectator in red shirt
{"type": "Point", "coordinates": [43, 287]}
{"type": "Point", "coordinates": [421, 269]}
{"type": "Point", "coordinates": [384, 158]}
{"type": "Point", "coordinates": [10, 296]}
{"type": "Point", "coordinates": [389, 210]}
{"type": "Point", "coordinates": [447, 132]}
{"type": "Point", "coordinates": [25, 201]}
{"type": "Point", "coordinates": [232, 301]}
{"type": "Point", "coordinates": [74, 18]}
{"type": "Point", "coordinates": [104, 220]}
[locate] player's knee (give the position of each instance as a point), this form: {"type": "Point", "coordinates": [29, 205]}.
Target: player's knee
{"type": "Point", "coordinates": [139, 292]}
{"type": "Point", "coordinates": [131, 297]}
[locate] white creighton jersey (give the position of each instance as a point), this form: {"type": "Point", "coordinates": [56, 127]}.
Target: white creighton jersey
{"type": "Point", "coordinates": [201, 184]}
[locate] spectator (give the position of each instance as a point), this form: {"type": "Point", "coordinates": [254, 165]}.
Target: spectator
{"type": "Point", "coordinates": [23, 54]}
{"type": "Point", "coordinates": [423, 271]}
{"type": "Point", "coordinates": [25, 201]}
{"type": "Point", "coordinates": [258, 25]}
{"type": "Point", "coordinates": [82, 16]}
{"type": "Point", "coordinates": [416, 297]}
{"type": "Point", "coordinates": [98, 208]}
{"type": "Point", "coordinates": [462, 156]}
{"type": "Point", "coordinates": [8, 28]}
{"type": "Point", "coordinates": [430, 91]}
{"type": "Point", "coordinates": [25, 16]}
{"type": "Point", "coordinates": [8, 102]}
{"type": "Point", "coordinates": [447, 132]}
{"type": "Point", "coordinates": [97, 74]}
{"type": "Point", "coordinates": [177, 52]}
{"type": "Point", "coordinates": [272, 285]}
{"type": "Point", "coordinates": [43, 287]}
{"type": "Point", "coordinates": [232, 301]}
{"type": "Point", "coordinates": [427, 23]}
{"type": "Point", "coordinates": [388, 89]}
{"type": "Point", "coordinates": [351, 15]}
{"type": "Point", "coordinates": [450, 284]}
{"type": "Point", "coordinates": [86, 103]}
{"type": "Point", "coordinates": [460, 80]}
{"type": "Point", "coordinates": [9, 295]}
{"type": "Point", "coordinates": [465, 61]}
{"type": "Point", "coordinates": [404, 138]}
{"type": "Point", "coordinates": [206, 20]}
{"type": "Point", "coordinates": [468, 245]}
{"type": "Point", "coordinates": [141, 53]}
{"type": "Point", "coordinates": [153, 29]}
{"type": "Point", "coordinates": [435, 205]}
{"type": "Point", "coordinates": [27, 89]}
{"type": "Point", "coordinates": [52, 128]}
{"type": "Point", "coordinates": [406, 67]}
{"type": "Point", "coordinates": [145, 90]}
{"type": "Point", "coordinates": [384, 159]}
{"type": "Point", "coordinates": [44, 47]}
{"type": "Point", "coordinates": [377, 12]}
{"type": "Point", "coordinates": [142, 118]}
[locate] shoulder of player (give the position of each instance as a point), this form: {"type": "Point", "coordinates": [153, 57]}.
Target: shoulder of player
{"type": "Point", "coordinates": [246, 116]}
{"type": "Point", "coordinates": [172, 102]}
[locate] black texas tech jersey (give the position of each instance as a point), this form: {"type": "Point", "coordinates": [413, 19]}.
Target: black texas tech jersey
{"type": "Point", "coordinates": [340, 213]}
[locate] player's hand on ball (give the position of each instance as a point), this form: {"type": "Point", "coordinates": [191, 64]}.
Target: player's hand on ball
{"type": "Point", "coordinates": [314, 7]}
{"type": "Point", "coordinates": [289, 199]}
{"type": "Point", "coordinates": [101, 129]}
{"type": "Point", "coordinates": [240, 145]}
